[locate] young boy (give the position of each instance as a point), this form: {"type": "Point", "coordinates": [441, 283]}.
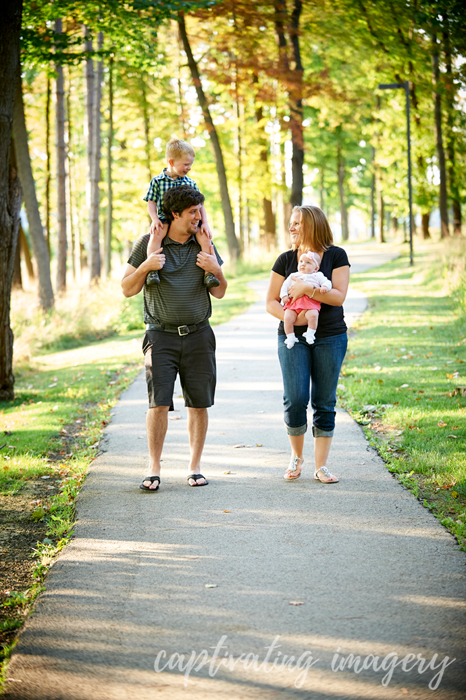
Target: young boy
{"type": "Point", "coordinates": [180, 157]}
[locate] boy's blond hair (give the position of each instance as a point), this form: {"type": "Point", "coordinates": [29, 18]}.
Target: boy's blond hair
{"type": "Point", "coordinates": [176, 149]}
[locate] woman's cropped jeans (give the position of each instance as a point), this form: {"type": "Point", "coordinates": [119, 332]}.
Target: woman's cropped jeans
{"type": "Point", "coordinates": [317, 365]}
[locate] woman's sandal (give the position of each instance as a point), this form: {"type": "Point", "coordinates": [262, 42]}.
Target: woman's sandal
{"type": "Point", "coordinates": [294, 470]}
{"type": "Point", "coordinates": [196, 478]}
{"type": "Point", "coordinates": [151, 479]}
{"type": "Point", "coordinates": [329, 478]}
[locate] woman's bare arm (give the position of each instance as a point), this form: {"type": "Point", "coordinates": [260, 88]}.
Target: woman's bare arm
{"type": "Point", "coordinates": [272, 302]}
{"type": "Point", "coordinates": [335, 297]}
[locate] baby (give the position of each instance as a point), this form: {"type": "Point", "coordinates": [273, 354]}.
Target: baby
{"type": "Point", "coordinates": [308, 265]}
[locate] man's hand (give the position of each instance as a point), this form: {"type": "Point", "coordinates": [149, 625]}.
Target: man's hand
{"type": "Point", "coordinates": [156, 226]}
{"type": "Point", "coordinates": [156, 260]}
{"type": "Point", "coordinates": [208, 261]}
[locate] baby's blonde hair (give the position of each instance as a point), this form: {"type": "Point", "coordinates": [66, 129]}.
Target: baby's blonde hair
{"type": "Point", "coordinates": [176, 149]}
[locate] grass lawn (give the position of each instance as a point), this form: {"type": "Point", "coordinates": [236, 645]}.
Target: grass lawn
{"type": "Point", "coordinates": [71, 366]}
{"type": "Point", "coordinates": [406, 357]}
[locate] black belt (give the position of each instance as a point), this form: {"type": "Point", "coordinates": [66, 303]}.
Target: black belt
{"type": "Point", "coordinates": [181, 330]}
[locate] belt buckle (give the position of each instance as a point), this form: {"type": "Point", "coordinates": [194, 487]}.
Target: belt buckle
{"type": "Point", "coordinates": [183, 330]}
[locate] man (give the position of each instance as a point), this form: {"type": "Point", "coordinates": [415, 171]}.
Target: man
{"type": "Point", "coordinates": [178, 336]}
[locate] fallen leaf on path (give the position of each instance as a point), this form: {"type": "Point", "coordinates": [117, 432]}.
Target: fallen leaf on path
{"type": "Point", "coordinates": [441, 424]}
{"type": "Point", "coordinates": [225, 511]}
{"type": "Point", "coordinates": [236, 447]}
{"type": "Point", "coordinates": [211, 585]}
{"type": "Point", "coordinates": [175, 417]}
{"type": "Point", "coordinates": [296, 602]}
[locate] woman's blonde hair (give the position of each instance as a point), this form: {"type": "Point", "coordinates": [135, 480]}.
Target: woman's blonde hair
{"type": "Point", "coordinates": [316, 233]}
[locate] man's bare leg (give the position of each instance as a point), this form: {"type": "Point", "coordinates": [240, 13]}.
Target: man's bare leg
{"type": "Point", "coordinates": [156, 426]}
{"type": "Point", "coordinates": [198, 421]}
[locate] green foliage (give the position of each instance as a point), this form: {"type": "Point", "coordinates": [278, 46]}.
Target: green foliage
{"type": "Point", "coordinates": [401, 370]}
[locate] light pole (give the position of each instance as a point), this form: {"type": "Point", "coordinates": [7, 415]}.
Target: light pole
{"type": "Point", "coordinates": [395, 86]}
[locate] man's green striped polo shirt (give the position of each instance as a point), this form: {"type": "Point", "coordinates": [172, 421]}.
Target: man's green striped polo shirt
{"type": "Point", "coordinates": [181, 297]}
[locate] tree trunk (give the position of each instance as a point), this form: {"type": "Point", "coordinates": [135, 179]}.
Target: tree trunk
{"type": "Point", "coordinates": [239, 168]}
{"type": "Point", "coordinates": [451, 141]}
{"type": "Point", "coordinates": [293, 81]}
{"type": "Point", "coordinates": [17, 280]}
{"type": "Point", "coordinates": [232, 242]}
{"type": "Point", "coordinates": [9, 225]}
{"type": "Point", "coordinates": [425, 225]}
{"type": "Point", "coordinates": [94, 238]}
{"type": "Point", "coordinates": [10, 188]}
{"type": "Point", "coordinates": [268, 222]}
{"type": "Point", "coordinates": [179, 90]}
{"type": "Point", "coordinates": [36, 232]}
{"type": "Point", "coordinates": [47, 162]}
{"type": "Point", "coordinates": [89, 129]}
{"type": "Point", "coordinates": [70, 224]}
{"type": "Point", "coordinates": [341, 190]}
{"type": "Point", "coordinates": [322, 188]}
{"type": "Point", "coordinates": [145, 115]}
{"type": "Point", "coordinates": [373, 190]}
{"type": "Point", "coordinates": [380, 210]}
{"type": "Point", "coordinates": [109, 220]}
{"type": "Point", "coordinates": [443, 203]}
{"type": "Point", "coordinates": [61, 172]}
{"type": "Point", "coordinates": [395, 225]}
{"type": "Point", "coordinates": [296, 110]}
{"type": "Point", "coordinates": [26, 253]}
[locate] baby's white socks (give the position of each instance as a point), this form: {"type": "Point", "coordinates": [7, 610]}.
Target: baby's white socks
{"type": "Point", "coordinates": [291, 339]}
{"type": "Point", "coordinates": [310, 335]}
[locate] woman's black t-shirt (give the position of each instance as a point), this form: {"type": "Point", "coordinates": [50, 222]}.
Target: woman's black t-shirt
{"type": "Point", "coordinates": [331, 318]}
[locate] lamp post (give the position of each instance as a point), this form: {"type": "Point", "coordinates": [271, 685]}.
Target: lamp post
{"type": "Point", "coordinates": [395, 86]}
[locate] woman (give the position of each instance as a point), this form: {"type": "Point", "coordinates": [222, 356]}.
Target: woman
{"type": "Point", "coordinates": [321, 362]}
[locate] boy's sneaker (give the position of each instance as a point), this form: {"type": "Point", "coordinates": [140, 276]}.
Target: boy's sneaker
{"type": "Point", "coordinates": [210, 280]}
{"type": "Point", "coordinates": [152, 278]}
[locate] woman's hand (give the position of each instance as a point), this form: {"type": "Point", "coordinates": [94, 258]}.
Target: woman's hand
{"type": "Point", "coordinates": [299, 289]}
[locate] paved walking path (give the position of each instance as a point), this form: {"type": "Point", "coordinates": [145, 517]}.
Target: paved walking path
{"type": "Point", "coordinates": [149, 576]}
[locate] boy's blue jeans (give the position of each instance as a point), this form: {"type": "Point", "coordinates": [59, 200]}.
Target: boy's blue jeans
{"type": "Point", "coordinates": [317, 365]}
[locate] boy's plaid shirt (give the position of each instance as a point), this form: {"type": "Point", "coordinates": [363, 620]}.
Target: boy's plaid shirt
{"type": "Point", "coordinates": [161, 184]}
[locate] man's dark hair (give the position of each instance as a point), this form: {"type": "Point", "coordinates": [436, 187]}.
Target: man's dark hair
{"type": "Point", "coordinates": [177, 199]}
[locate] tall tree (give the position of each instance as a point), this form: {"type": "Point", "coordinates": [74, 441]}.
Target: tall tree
{"type": "Point", "coordinates": [293, 81]}
{"type": "Point", "coordinates": [232, 241]}
{"type": "Point", "coordinates": [341, 189]}
{"type": "Point", "coordinates": [450, 134]}
{"type": "Point", "coordinates": [109, 219]}
{"type": "Point", "coordinates": [61, 171]}
{"type": "Point", "coordinates": [10, 190]}
{"type": "Point", "coordinates": [443, 203]}
{"type": "Point", "coordinates": [36, 232]}
{"type": "Point", "coordinates": [94, 84]}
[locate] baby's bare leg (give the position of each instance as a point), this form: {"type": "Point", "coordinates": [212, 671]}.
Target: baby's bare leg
{"type": "Point", "coordinates": [288, 321]}
{"type": "Point", "coordinates": [312, 317]}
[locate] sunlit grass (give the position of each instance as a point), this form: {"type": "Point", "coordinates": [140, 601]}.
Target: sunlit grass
{"type": "Point", "coordinates": [402, 369]}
